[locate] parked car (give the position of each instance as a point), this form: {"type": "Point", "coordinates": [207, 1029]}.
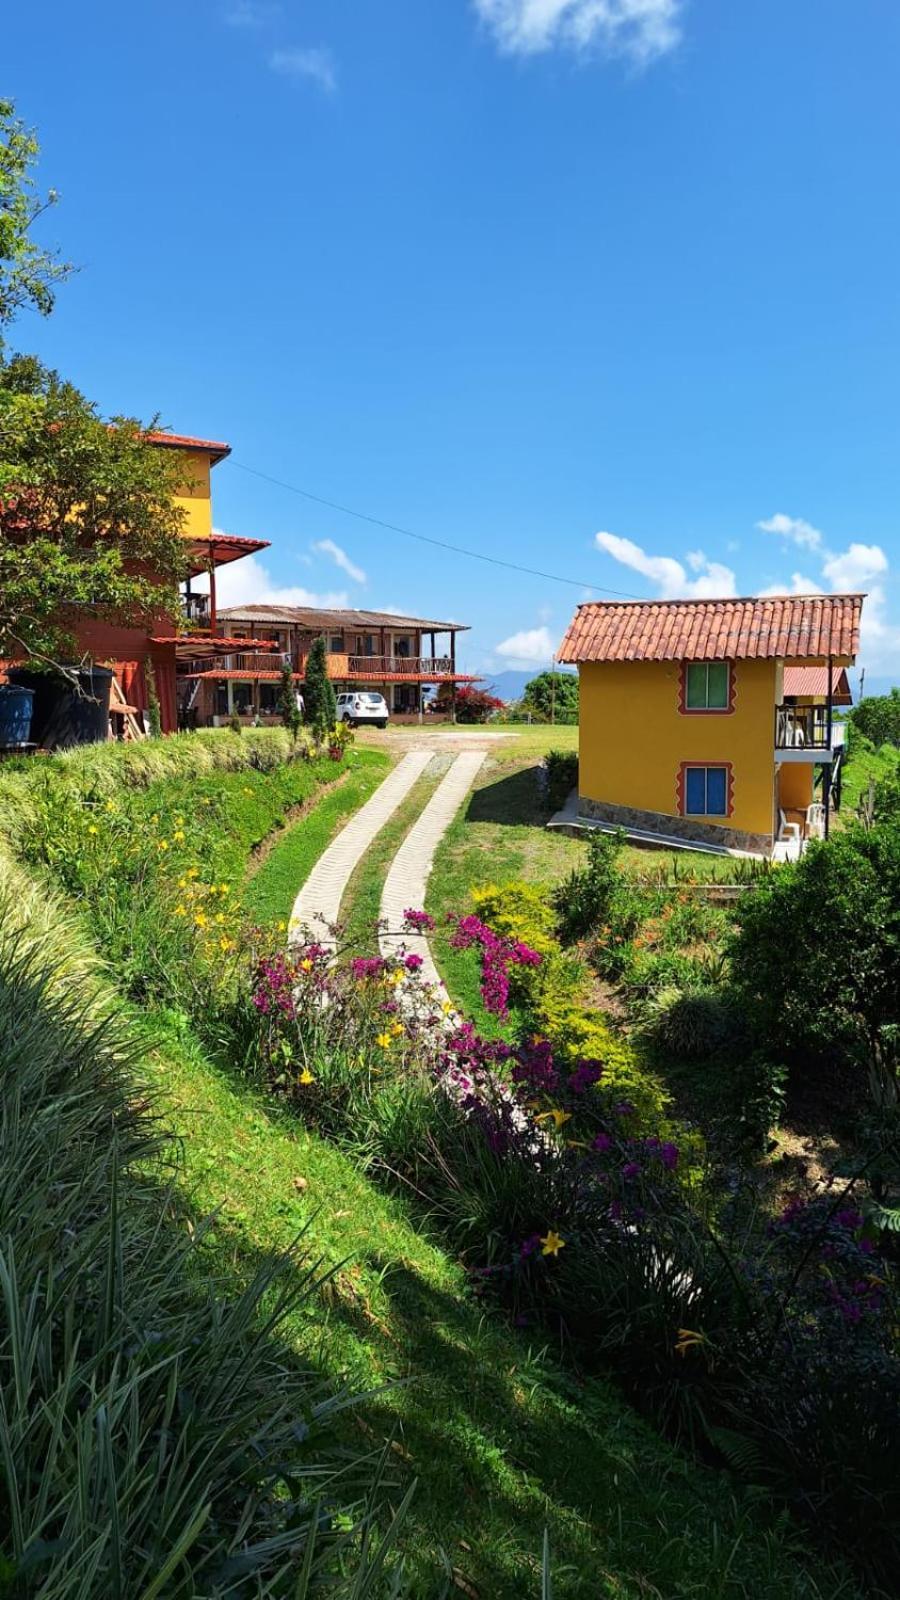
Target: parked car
{"type": "Point", "coordinates": [362, 706]}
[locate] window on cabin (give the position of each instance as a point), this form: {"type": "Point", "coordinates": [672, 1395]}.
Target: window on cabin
{"type": "Point", "coordinates": [336, 644]}
{"type": "Point", "coordinates": [707, 685]}
{"type": "Point", "coordinates": [706, 792]}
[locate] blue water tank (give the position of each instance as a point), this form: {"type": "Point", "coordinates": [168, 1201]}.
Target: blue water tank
{"type": "Point", "coordinates": [16, 704]}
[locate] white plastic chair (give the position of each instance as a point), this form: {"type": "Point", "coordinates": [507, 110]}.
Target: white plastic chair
{"type": "Point", "coordinates": [788, 830]}
{"type": "Point", "coordinates": [815, 820]}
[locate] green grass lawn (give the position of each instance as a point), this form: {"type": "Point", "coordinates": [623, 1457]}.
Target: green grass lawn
{"type": "Point", "coordinates": [270, 890]}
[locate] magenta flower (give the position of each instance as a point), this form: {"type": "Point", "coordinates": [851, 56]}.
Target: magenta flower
{"type": "Point", "coordinates": [419, 921]}
{"type": "Point", "coordinates": [602, 1143]}
{"type": "Point", "coordinates": [412, 963]}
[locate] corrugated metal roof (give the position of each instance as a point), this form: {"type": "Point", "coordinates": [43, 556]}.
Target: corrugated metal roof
{"type": "Point", "coordinates": [310, 617]}
{"type": "Point", "coordinates": [784, 627]}
{"type": "Point", "coordinates": [813, 682]}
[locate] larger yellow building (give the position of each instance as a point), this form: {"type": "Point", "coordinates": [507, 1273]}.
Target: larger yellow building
{"type": "Point", "coordinates": [685, 728]}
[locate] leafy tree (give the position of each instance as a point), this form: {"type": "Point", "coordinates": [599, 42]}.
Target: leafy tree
{"type": "Point", "coordinates": [472, 705]}
{"type": "Point", "coordinates": [318, 691]}
{"type": "Point", "coordinates": [553, 694]}
{"type": "Point", "coordinates": [817, 955]}
{"type": "Point", "coordinates": [87, 520]}
{"type": "Point", "coordinates": [287, 700]}
{"type": "Point", "coordinates": [28, 273]}
{"type": "Point", "coordinates": [878, 718]}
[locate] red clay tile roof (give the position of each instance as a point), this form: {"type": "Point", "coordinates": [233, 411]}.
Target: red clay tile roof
{"type": "Point", "coordinates": [785, 627]}
{"type": "Point", "coordinates": [185, 441]}
{"type": "Point", "coordinates": [814, 681]}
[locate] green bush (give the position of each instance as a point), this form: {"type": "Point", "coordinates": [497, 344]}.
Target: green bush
{"type": "Point", "coordinates": [561, 768]}
{"type": "Point", "coordinates": [694, 1024]}
{"type": "Point", "coordinates": [816, 957]}
{"type": "Point", "coordinates": [585, 900]}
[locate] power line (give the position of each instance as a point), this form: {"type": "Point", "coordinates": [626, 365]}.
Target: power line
{"type": "Point", "coordinates": [423, 538]}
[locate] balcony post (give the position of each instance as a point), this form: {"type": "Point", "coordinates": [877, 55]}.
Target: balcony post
{"type": "Point", "coordinates": [453, 671]}
{"type": "Point", "coordinates": [829, 718]}
{"type": "Point", "coordinates": [213, 618]}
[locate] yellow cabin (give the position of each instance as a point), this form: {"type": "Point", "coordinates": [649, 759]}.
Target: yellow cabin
{"type": "Point", "coordinates": [690, 728]}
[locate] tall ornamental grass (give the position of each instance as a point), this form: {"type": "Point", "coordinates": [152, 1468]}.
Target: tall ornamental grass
{"type": "Point", "coordinates": [156, 1439]}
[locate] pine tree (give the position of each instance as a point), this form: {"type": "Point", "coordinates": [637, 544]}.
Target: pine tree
{"type": "Point", "coordinates": [287, 700]}
{"type": "Point", "coordinates": [318, 691]}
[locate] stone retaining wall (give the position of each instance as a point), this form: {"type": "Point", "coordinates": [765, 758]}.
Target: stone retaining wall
{"type": "Point", "coordinates": [686, 828]}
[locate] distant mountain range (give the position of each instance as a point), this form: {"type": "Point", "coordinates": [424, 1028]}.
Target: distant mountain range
{"type": "Point", "coordinates": [510, 685]}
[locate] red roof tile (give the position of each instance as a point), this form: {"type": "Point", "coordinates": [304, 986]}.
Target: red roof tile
{"type": "Point", "coordinates": [185, 441]}
{"type": "Point", "coordinates": [785, 627]}
{"type": "Point", "coordinates": [813, 681]}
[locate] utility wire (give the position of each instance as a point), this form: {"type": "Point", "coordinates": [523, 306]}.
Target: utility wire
{"type": "Point", "coordinates": [423, 538]}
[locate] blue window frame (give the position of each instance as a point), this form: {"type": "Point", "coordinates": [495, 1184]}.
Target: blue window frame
{"type": "Point", "coordinates": [706, 792]}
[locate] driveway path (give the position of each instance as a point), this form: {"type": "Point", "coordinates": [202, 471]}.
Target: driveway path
{"type": "Point", "coordinates": [407, 879]}
{"type": "Point", "coordinates": [319, 902]}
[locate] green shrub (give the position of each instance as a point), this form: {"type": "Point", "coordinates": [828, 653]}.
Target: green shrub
{"type": "Point", "coordinates": [694, 1024]}
{"type": "Point", "coordinates": [817, 956]}
{"type": "Point", "coordinates": [561, 768]}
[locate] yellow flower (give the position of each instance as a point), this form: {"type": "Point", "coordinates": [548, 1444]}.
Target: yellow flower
{"type": "Point", "coordinates": [446, 1008]}
{"type": "Point", "coordinates": [551, 1243]}
{"type": "Point", "coordinates": [282, 927]}
{"type": "Point", "coordinates": [154, 820]}
{"type": "Point", "coordinates": [306, 964]}
{"type": "Point", "coordinates": [306, 1076]}
{"type": "Point", "coordinates": [182, 883]}
{"type": "Point", "coordinates": [397, 1029]}
{"type": "Point", "coordinates": [558, 1118]}
{"type": "Point", "coordinates": [162, 844]}
{"type": "Point", "coordinates": [178, 836]}
{"type": "Point", "coordinates": [179, 822]}
{"type": "Point", "coordinates": [226, 944]}
{"type": "Point", "coordinates": [180, 911]}
{"type": "Point", "coordinates": [220, 916]}
{"type": "Point", "coordinates": [223, 888]}
{"type": "Point", "coordinates": [110, 805]}
{"type": "Point", "coordinates": [192, 872]}
{"type": "Point", "coordinates": [201, 919]}
{"type": "Point", "coordinates": [92, 829]}
{"type": "Point", "coordinates": [384, 1040]}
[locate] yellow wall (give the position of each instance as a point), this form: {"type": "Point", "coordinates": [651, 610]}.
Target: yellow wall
{"type": "Point", "coordinates": [194, 496]}
{"type": "Point", "coordinates": [795, 785]}
{"type": "Point", "coordinates": [632, 738]}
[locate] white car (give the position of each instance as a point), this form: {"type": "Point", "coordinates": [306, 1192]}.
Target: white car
{"type": "Point", "coordinates": [362, 706]}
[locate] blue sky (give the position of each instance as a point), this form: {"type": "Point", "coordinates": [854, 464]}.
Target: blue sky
{"type": "Point", "coordinates": [606, 287]}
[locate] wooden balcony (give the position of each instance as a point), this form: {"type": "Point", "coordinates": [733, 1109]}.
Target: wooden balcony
{"type": "Point", "coordinates": [399, 666]}
{"type": "Point", "coordinates": [802, 734]}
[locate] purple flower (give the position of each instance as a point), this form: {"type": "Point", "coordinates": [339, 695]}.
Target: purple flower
{"type": "Point", "coordinates": [849, 1219]}
{"type": "Point", "coordinates": [529, 1246]}
{"type": "Point", "coordinates": [624, 1109]}
{"type": "Point", "coordinates": [586, 1074]}
{"type": "Point", "coordinates": [631, 1169]}
{"type": "Point", "coordinates": [367, 967]}
{"type": "Point", "coordinates": [412, 963]}
{"type": "Point", "coordinates": [419, 921]}
{"type": "Point", "coordinates": [668, 1155]}
{"type": "Point", "coordinates": [602, 1143]}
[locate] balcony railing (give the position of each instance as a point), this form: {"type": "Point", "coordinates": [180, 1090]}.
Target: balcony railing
{"type": "Point", "coordinates": [196, 609]}
{"type": "Point", "coordinates": [408, 666]}
{"type": "Point", "coordinates": [805, 728]}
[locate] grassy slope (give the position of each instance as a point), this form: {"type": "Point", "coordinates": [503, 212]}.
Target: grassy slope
{"type": "Point", "coordinates": [500, 1446]}
{"type": "Point", "coordinates": [864, 767]}
{"type": "Point", "coordinates": [499, 1443]}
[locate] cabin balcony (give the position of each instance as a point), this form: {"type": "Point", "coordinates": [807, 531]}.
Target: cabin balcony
{"type": "Point", "coordinates": [400, 666]}
{"type": "Point", "coordinates": [195, 610]}
{"type": "Point", "coordinates": [802, 734]}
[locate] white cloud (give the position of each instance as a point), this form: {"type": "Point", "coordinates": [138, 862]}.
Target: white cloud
{"type": "Point", "coordinates": [797, 529]}
{"type": "Point", "coordinates": [315, 62]}
{"type": "Point", "coordinates": [249, 583]}
{"type": "Point", "coordinates": [327, 547]}
{"type": "Point", "coordinates": [640, 29]}
{"type": "Point", "coordinates": [532, 647]}
{"type": "Point", "coordinates": [713, 581]}
{"type": "Point", "coordinates": [798, 585]}
{"type": "Point", "coordinates": [855, 566]}
{"type": "Point", "coordinates": [251, 13]}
